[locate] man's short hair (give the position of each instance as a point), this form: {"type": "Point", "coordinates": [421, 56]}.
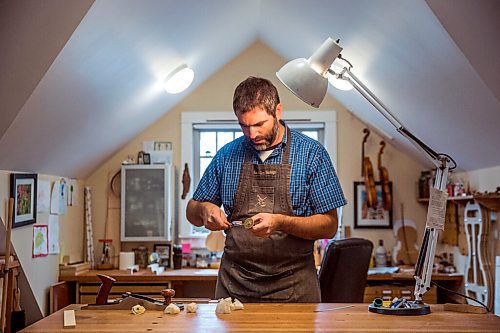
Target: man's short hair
{"type": "Point", "coordinates": [255, 92]}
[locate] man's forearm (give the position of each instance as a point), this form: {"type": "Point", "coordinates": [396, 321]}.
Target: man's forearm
{"type": "Point", "coordinates": [313, 227]}
{"type": "Point", "coordinates": [193, 213]}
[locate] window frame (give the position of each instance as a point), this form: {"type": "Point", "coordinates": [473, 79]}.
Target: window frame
{"type": "Point", "coordinates": [191, 119]}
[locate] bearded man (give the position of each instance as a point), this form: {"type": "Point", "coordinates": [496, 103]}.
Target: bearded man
{"type": "Point", "coordinates": [285, 182]}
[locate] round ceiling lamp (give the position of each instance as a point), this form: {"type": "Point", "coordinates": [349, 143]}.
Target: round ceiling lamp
{"type": "Point", "coordinates": [179, 79]}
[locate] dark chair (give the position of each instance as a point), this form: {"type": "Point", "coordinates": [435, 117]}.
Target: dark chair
{"type": "Point", "coordinates": [343, 272]}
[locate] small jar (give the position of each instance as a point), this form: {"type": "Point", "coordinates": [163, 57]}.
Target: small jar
{"type": "Point", "coordinates": [177, 257]}
{"type": "Point", "coordinates": [141, 256]}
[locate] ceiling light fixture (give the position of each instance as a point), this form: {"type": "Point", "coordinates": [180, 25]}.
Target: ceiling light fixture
{"type": "Point", "coordinates": [307, 80]}
{"type": "Point", "coordinates": [179, 79]}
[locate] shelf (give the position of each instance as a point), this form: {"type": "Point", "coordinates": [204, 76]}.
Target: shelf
{"type": "Point", "coordinates": [460, 198]}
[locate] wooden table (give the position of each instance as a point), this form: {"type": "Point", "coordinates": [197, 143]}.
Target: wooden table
{"type": "Point", "coordinates": [403, 285]}
{"type": "Point", "coordinates": [194, 283]}
{"type": "Point", "coordinates": [270, 318]}
{"type": "Point", "coordinates": [200, 283]}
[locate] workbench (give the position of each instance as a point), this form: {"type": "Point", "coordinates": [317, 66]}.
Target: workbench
{"type": "Point", "coordinates": [187, 283]}
{"type": "Point", "coordinates": [290, 317]}
{"type": "Point", "coordinates": [200, 283]}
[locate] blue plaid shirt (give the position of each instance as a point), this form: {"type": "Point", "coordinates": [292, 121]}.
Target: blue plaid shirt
{"type": "Point", "coordinates": [314, 186]}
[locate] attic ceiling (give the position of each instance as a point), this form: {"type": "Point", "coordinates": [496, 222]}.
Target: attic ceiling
{"type": "Point", "coordinates": [85, 77]}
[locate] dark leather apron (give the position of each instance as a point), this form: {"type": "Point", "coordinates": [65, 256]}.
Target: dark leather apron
{"type": "Point", "coordinates": [277, 269]}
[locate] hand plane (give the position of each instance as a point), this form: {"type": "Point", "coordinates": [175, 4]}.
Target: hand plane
{"type": "Point", "coordinates": [128, 299]}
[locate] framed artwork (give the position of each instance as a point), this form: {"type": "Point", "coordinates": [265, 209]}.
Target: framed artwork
{"type": "Point", "coordinates": [40, 240]}
{"type": "Point", "coordinates": [23, 188]}
{"type": "Point", "coordinates": [163, 145]}
{"type": "Point", "coordinates": [365, 217]}
{"type": "Point", "coordinates": [164, 251]}
{"type": "Point", "coordinates": [146, 158]}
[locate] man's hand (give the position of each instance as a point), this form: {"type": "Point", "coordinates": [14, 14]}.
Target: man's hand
{"type": "Point", "coordinates": [213, 217]}
{"type": "Point", "coordinates": [206, 214]}
{"type": "Point", "coordinates": [265, 224]}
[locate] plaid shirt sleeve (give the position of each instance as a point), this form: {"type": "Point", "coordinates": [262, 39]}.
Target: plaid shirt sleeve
{"type": "Point", "coordinates": [209, 186]}
{"type": "Point", "coordinates": [325, 190]}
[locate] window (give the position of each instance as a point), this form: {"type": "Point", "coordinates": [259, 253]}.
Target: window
{"type": "Point", "coordinates": [204, 133]}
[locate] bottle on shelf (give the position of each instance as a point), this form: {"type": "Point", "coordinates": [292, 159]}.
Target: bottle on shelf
{"type": "Point", "coordinates": [381, 254]}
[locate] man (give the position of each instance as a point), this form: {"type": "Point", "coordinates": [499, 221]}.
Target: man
{"type": "Point", "coordinates": [286, 183]}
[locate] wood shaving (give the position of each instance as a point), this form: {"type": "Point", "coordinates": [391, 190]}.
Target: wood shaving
{"type": "Point", "coordinates": [191, 308]}
{"type": "Point", "coordinates": [138, 309]}
{"type": "Point", "coordinates": [172, 309]}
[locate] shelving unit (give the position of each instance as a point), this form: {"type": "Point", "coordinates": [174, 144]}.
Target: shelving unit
{"type": "Point", "coordinates": [146, 202]}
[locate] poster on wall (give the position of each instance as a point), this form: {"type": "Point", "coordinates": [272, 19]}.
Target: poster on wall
{"type": "Point", "coordinates": [40, 241]}
{"type": "Point", "coordinates": [43, 204]}
{"type": "Point", "coordinates": [72, 190]}
{"type": "Point", "coordinates": [59, 197]}
{"type": "Point", "coordinates": [53, 234]}
{"type": "Point", "coordinates": [54, 199]}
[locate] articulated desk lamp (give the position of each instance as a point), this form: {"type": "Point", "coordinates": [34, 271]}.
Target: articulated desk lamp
{"type": "Point", "coordinates": [307, 79]}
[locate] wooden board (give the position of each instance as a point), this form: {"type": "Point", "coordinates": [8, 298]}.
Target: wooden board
{"type": "Point", "coordinates": [271, 318]}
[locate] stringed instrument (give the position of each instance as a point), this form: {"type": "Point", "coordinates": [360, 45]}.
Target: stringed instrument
{"type": "Point", "coordinates": [367, 173]}
{"type": "Point", "coordinates": [384, 180]}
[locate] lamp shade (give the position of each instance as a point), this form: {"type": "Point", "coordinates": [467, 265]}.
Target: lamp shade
{"type": "Point", "coordinates": [179, 79]}
{"type": "Point", "coordinates": [307, 78]}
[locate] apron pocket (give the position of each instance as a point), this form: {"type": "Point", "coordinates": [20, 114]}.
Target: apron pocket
{"type": "Point", "coordinates": [271, 287]}
{"type": "Point", "coordinates": [261, 200]}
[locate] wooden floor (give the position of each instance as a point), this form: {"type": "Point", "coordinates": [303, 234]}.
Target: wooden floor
{"type": "Point", "coordinates": [270, 318]}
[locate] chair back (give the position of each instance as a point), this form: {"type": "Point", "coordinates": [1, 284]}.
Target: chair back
{"type": "Point", "coordinates": [344, 269]}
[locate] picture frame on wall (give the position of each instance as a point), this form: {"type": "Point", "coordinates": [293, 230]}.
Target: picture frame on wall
{"type": "Point", "coordinates": [366, 217]}
{"type": "Point", "coordinates": [23, 188]}
{"type": "Point", "coordinates": [163, 145]}
{"type": "Point", "coordinates": [146, 158]}
{"type": "Point", "coordinates": [164, 251]}
{"type": "Point", "coordinates": [40, 240]}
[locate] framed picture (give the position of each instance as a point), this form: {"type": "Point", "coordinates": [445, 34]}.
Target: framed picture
{"type": "Point", "coordinates": [163, 145]}
{"type": "Point", "coordinates": [23, 188]}
{"type": "Point", "coordinates": [365, 217]}
{"type": "Point", "coordinates": [164, 251]}
{"type": "Point", "coordinates": [40, 240]}
{"type": "Point", "coordinates": [146, 158]}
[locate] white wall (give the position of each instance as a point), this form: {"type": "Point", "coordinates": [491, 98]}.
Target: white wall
{"type": "Point", "coordinates": [42, 272]}
{"type": "Point", "coordinates": [215, 95]}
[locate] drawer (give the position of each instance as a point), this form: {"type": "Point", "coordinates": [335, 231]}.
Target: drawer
{"type": "Point", "coordinates": [388, 292]}
{"type": "Point", "coordinates": [123, 288]}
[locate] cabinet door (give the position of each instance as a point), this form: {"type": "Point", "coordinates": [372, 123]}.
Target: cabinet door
{"type": "Point", "coordinates": [145, 204]}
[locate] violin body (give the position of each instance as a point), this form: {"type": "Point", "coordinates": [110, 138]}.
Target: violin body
{"type": "Point", "coordinates": [384, 180]}
{"type": "Point", "coordinates": [371, 192]}
{"type": "Point", "coordinates": [367, 173]}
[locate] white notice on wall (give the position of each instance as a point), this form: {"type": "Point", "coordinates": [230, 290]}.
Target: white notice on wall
{"type": "Point", "coordinates": [54, 199]}
{"type": "Point", "coordinates": [43, 199]}
{"type": "Point", "coordinates": [72, 192]}
{"type": "Point", "coordinates": [53, 234]}
{"type": "Point", "coordinates": [437, 209]}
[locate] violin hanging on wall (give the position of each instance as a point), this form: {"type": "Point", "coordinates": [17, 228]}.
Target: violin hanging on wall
{"type": "Point", "coordinates": [367, 173]}
{"type": "Point", "coordinates": [384, 180]}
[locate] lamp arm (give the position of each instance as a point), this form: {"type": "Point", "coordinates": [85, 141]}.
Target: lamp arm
{"type": "Point", "coordinates": [433, 156]}
{"type": "Point", "coordinates": [425, 262]}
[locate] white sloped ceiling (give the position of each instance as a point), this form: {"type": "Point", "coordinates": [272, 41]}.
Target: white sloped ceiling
{"type": "Point", "coordinates": [103, 88]}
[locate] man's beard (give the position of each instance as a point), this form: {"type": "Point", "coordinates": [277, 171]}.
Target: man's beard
{"type": "Point", "coordinates": [268, 139]}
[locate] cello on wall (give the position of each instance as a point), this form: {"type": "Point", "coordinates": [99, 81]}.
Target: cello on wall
{"type": "Point", "coordinates": [384, 180]}
{"type": "Point", "coordinates": [367, 173]}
